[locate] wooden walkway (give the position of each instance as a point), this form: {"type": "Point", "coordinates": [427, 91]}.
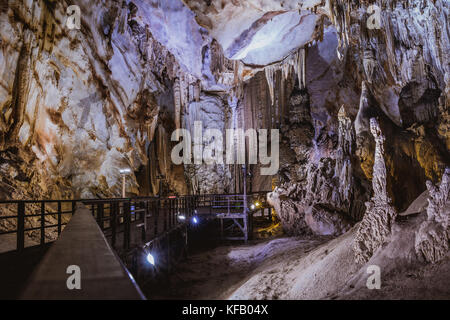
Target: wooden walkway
{"type": "Point", "coordinates": [83, 244]}
{"type": "Point", "coordinates": [103, 235]}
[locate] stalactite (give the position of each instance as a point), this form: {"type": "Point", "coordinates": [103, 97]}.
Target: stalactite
{"type": "Point", "coordinates": [340, 17]}
{"type": "Point", "coordinates": [270, 71]}
{"type": "Point", "coordinates": [303, 59]}
{"type": "Point", "coordinates": [299, 62]}
{"type": "Point", "coordinates": [178, 104]}
{"type": "Point", "coordinates": [286, 70]}
{"type": "Point", "coordinates": [184, 90]}
{"type": "Point", "coordinates": [295, 62]}
{"type": "Point", "coordinates": [197, 90]}
{"type": "Point", "coordinates": [218, 60]}
{"type": "Point", "coordinates": [191, 92]}
{"type": "Point", "coordinates": [238, 82]}
{"type": "Point", "coordinates": [299, 70]}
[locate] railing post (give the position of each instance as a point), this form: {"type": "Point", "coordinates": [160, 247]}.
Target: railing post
{"type": "Point", "coordinates": [74, 207]}
{"type": "Point", "coordinates": [20, 226]}
{"type": "Point", "coordinates": [211, 204]}
{"type": "Point", "coordinates": [144, 206]}
{"type": "Point", "coordinates": [100, 209]}
{"type": "Point", "coordinates": [169, 216]}
{"type": "Point", "coordinates": [113, 221]}
{"type": "Point", "coordinates": [176, 203]}
{"type": "Point", "coordinates": [156, 206]}
{"type": "Point", "coordinates": [172, 213]}
{"type": "Point", "coordinates": [165, 215]}
{"type": "Point", "coordinates": [168, 253]}
{"type": "Point", "coordinates": [42, 223]}
{"type": "Point", "coordinates": [188, 207]}
{"type": "Point", "coordinates": [176, 208]}
{"type": "Point", "coordinates": [127, 224]}
{"type": "Point", "coordinates": [59, 217]}
{"type": "Point", "coordinates": [146, 212]}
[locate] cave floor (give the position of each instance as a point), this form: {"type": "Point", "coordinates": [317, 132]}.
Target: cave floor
{"type": "Point", "coordinates": [216, 273]}
{"type": "Point", "coordinates": [283, 267]}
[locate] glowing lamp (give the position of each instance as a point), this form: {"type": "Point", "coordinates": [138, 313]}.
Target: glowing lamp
{"type": "Point", "coordinates": [150, 259]}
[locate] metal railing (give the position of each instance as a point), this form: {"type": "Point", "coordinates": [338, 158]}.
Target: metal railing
{"type": "Point", "coordinates": [125, 222]}
{"type": "Point", "coordinates": [25, 218]}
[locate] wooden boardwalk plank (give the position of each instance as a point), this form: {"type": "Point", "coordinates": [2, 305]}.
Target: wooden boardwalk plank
{"type": "Point", "coordinates": [82, 243]}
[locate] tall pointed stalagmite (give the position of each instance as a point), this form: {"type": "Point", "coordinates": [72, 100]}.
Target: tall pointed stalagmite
{"type": "Point", "coordinates": [375, 228]}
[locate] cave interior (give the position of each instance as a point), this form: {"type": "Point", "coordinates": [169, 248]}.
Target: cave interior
{"type": "Point", "coordinates": [332, 117]}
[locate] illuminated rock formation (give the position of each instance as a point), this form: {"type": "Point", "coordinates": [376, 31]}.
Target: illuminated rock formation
{"type": "Point", "coordinates": [376, 225]}
{"type": "Point", "coordinates": [76, 106]}
{"type": "Point", "coordinates": [432, 239]}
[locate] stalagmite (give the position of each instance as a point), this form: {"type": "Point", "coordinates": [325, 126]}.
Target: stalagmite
{"type": "Point", "coordinates": [375, 228]}
{"type": "Point", "coordinates": [432, 239]}
{"type": "Point", "coordinates": [343, 168]}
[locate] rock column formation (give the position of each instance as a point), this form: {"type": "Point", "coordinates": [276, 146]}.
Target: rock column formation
{"type": "Point", "coordinates": [432, 239]}
{"type": "Point", "coordinates": [375, 227]}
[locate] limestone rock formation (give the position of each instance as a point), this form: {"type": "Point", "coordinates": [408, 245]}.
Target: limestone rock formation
{"type": "Point", "coordinates": [317, 171]}
{"type": "Point", "coordinates": [76, 106]}
{"type": "Point", "coordinates": [324, 222]}
{"type": "Point", "coordinates": [291, 213]}
{"type": "Point", "coordinates": [432, 239]}
{"type": "Point", "coordinates": [252, 27]}
{"type": "Point", "coordinates": [376, 226]}
{"type": "Point", "coordinates": [212, 113]}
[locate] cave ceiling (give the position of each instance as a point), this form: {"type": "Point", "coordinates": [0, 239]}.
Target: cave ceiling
{"type": "Point", "coordinates": [257, 33]}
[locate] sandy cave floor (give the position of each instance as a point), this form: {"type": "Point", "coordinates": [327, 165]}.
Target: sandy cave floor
{"type": "Point", "coordinates": [217, 273]}
{"type": "Point", "coordinates": [293, 268]}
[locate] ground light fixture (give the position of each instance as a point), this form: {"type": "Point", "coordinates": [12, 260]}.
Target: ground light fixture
{"type": "Point", "coordinates": [150, 259]}
{"type": "Point", "coordinates": [194, 220]}
{"type": "Point", "coordinates": [255, 205]}
{"type": "Point", "coordinates": [181, 217]}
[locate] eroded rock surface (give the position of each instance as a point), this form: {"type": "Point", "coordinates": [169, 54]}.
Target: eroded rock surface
{"type": "Point", "coordinates": [432, 239]}
{"type": "Point", "coordinates": [76, 106]}
{"type": "Point", "coordinates": [376, 226]}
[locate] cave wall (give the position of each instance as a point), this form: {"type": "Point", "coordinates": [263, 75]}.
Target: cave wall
{"type": "Point", "coordinates": [321, 187]}
{"type": "Point", "coordinates": [398, 74]}
{"type": "Point", "coordinates": [78, 105]}
{"type": "Point", "coordinates": [402, 69]}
